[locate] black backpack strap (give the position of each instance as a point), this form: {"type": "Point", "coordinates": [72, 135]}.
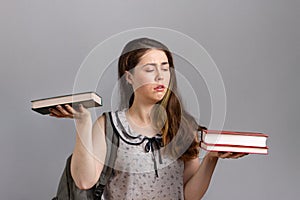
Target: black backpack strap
{"type": "Point", "coordinates": [112, 144]}
{"type": "Point", "coordinates": [64, 187]}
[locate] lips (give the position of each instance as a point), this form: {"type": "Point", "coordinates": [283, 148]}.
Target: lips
{"type": "Point", "coordinates": [159, 88]}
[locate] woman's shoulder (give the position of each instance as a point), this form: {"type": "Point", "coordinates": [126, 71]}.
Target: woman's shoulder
{"type": "Point", "coordinates": [102, 117]}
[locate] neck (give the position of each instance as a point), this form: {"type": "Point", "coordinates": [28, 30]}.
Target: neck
{"type": "Point", "coordinates": [140, 113]}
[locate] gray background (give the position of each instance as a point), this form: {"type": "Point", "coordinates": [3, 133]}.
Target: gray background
{"type": "Point", "coordinates": [255, 45]}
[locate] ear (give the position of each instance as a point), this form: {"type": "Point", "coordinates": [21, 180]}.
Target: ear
{"type": "Point", "coordinates": [128, 77]}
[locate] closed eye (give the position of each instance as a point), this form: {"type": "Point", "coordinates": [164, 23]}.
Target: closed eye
{"type": "Point", "coordinates": [165, 66]}
{"type": "Point", "coordinates": [149, 68]}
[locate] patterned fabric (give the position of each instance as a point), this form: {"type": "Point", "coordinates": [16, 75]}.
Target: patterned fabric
{"type": "Point", "coordinates": [142, 169]}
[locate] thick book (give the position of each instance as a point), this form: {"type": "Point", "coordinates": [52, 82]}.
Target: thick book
{"type": "Point", "coordinates": [87, 99]}
{"type": "Point", "coordinates": [222, 137]}
{"type": "Point", "coordinates": [234, 148]}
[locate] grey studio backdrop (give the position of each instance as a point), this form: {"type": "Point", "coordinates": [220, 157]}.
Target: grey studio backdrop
{"type": "Point", "coordinates": [255, 45]}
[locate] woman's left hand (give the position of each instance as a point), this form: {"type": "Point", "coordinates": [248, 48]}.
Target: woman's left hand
{"type": "Point", "coordinates": [220, 154]}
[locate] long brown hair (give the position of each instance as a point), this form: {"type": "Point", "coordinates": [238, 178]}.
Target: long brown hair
{"type": "Point", "coordinates": [179, 128]}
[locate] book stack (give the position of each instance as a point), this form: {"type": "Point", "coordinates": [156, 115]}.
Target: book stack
{"type": "Point", "coordinates": [234, 141]}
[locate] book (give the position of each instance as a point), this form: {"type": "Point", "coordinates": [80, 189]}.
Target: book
{"type": "Point", "coordinates": [87, 99]}
{"type": "Point", "coordinates": [234, 148]}
{"type": "Point", "coordinates": [222, 137]}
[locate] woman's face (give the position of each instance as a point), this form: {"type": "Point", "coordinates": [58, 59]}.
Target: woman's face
{"type": "Point", "coordinates": [151, 77]}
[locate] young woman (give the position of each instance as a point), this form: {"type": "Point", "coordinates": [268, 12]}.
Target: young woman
{"type": "Point", "coordinates": [158, 152]}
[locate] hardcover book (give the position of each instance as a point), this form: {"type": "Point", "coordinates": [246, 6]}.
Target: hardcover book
{"type": "Point", "coordinates": [234, 138]}
{"type": "Point", "coordinates": [87, 99]}
{"type": "Point", "coordinates": [234, 148]}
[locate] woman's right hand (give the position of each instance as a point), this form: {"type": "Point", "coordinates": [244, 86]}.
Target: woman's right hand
{"type": "Point", "coordinates": [81, 114]}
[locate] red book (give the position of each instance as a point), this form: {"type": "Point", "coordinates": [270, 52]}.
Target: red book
{"type": "Point", "coordinates": [240, 138]}
{"type": "Point", "coordinates": [234, 148]}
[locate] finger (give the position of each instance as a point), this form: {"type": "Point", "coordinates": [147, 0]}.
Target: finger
{"type": "Point", "coordinates": [238, 155]}
{"type": "Point", "coordinates": [55, 112]}
{"type": "Point", "coordinates": [63, 111]}
{"type": "Point", "coordinates": [235, 155]}
{"type": "Point", "coordinates": [225, 155]}
{"type": "Point", "coordinates": [52, 114]}
{"type": "Point", "coordinates": [243, 154]}
{"type": "Point", "coordinates": [81, 108]}
{"type": "Point", "coordinates": [55, 115]}
{"type": "Point", "coordinates": [70, 109]}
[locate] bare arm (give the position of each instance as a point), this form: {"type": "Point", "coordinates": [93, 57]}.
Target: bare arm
{"type": "Point", "coordinates": [90, 147]}
{"type": "Point", "coordinates": [197, 176]}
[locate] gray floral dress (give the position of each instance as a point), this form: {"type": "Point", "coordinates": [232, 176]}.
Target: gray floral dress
{"type": "Point", "coordinates": [142, 170]}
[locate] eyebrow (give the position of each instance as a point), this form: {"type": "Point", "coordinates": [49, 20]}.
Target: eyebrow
{"type": "Point", "coordinates": [154, 64]}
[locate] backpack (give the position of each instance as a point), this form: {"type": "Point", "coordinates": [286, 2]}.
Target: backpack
{"type": "Point", "coordinates": [67, 190]}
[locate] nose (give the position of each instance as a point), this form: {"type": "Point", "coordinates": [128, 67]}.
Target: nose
{"type": "Point", "coordinates": [159, 75]}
